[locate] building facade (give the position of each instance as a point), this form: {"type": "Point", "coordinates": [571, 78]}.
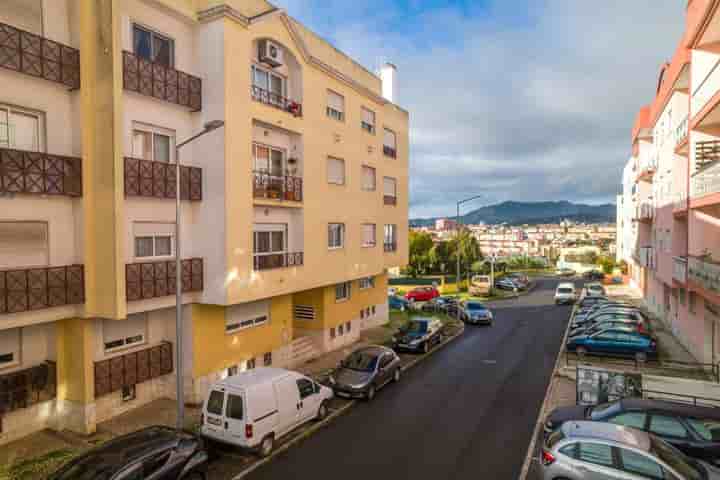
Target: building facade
{"type": "Point", "coordinates": [669, 230]}
{"type": "Point", "coordinates": [291, 214]}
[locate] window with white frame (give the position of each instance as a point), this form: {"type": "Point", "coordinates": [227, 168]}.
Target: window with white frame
{"type": "Point", "coordinates": [247, 315]}
{"type": "Point", "coordinates": [368, 235]}
{"type": "Point", "coordinates": [154, 240]}
{"type": "Point", "coordinates": [10, 347]}
{"type": "Point", "coordinates": [153, 46]}
{"type": "Point", "coordinates": [390, 143]}
{"type": "Point", "coordinates": [271, 85]}
{"type": "Point", "coordinates": [367, 282]}
{"type": "Point", "coordinates": [153, 143]}
{"type": "Point", "coordinates": [368, 120]}
{"type": "Point", "coordinates": [269, 239]}
{"type": "Point", "coordinates": [21, 129]}
{"type": "Point", "coordinates": [23, 244]}
{"type": "Point", "coordinates": [120, 334]}
{"type": "Point", "coordinates": [23, 14]}
{"type": "Point", "coordinates": [335, 106]}
{"type": "Point", "coordinates": [390, 237]}
{"type": "Point", "coordinates": [369, 182]}
{"type": "Point", "coordinates": [390, 187]}
{"type": "Point", "coordinates": [336, 235]}
{"type": "Point", "coordinates": [268, 159]}
{"type": "Point", "coordinates": [336, 171]}
{"type": "Point", "coordinates": [342, 291]}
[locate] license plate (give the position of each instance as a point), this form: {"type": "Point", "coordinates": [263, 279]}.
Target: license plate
{"type": "Point", "coordinates": [214, 421]}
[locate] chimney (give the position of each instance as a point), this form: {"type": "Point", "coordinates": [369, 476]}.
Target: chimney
{"type": "Point", "coordinates": [388, 76]}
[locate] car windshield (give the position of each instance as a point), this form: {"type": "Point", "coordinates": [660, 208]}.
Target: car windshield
{"type": "Point", "coordinates": [416, 327]}
{"type": "Point", "coordinates": [361, 362]}
{"type": "Point", "coordinates": [688, 469]}
{"type": "Point", "coordinates": [604, 410]}
{"type": "Point", "coordinates": [565, 290]}
{"type": "Point", "coordinates": [475, 306]}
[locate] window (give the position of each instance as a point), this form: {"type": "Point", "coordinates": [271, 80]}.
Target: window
{"type": "Point", "coordinates": [336, 171]}
{"type": "Point", "coordinates": [128, 393]}
{"type": "Point", "coordinates": [267, 359]}
{"type": "Point", "coordinates": [154, 144]}
{"type": "Point", "coordinates": [390, 190]}
{"type": "Point", "coordinates": [232, 371]}
{"type": "Point", "coordinates": [368, 282]}
{"type": "Point", "coordinates": [24, 14]}
{"type": "Point", "coordinates": [681, 296]}
{"type": "Point", "coordinates": [234, 407]}
{"type": "Point", "coordinates": [390, 143]}
{"type": "Point", "coordinates": [153, 47]}
{"type": "Point", "coordinates": [336, 106]}
{"type": "Point", "coordinates": [215, 402]}
{"type": "Point", "coordinates": [340, 330]}
{"type": "Point", "coordinates": [271, 84]}
{"type": "Point", "coordinates": [336, 235]}
{"type": "Point", "coordinates": [596, 453]}
{"type": "Point", "coordinates": [21, 129]}
{"type": "Point", "coordinates": [569, 450]}
{"type": "Point", "coordinates": [269, 245]}
{"type": "Point", "coordinates": [342, 291]}
{"type": "Point", "coordinates": [390, 238]}
{"type": "Point", "coordinates": [368, 120]}
{"type": "Point", "coordinates": [332, 333]}
{"type": "Point", "coordinates": [305, 387]}
{"type": "Point", "coordinates": [707, 429]}
{"type": "Point", "coordinates": [640, 465]}
{"type": "Point", "coordinates": [268, 160]}
{"type": "Point", "coordinates": [630, 419]}
{"type": "Point", "coordinates": [119, 334]}
{"type": "Point", "coordinates": [347, 327]}
{"type": "Point", "coordinates": [154, 240]}
{"type": "Point", "coordinates": [369, 183]}
{"type": "Point", "coordinates": [692, 300]}
{"type": "Point", "coordinates": [372, 309]}
{"type": "Point", "coordinates": [250, 364]}
{"type": "Point", "coordinates": [10, 341]}
{"type": "Point", "coordinates": [368, 235]}
{"type": "Point", "coordinates": [247, 315]}
{"type": "Point", "coordinates": [23, 244]}
{"type": "Point", "coordinates": [667, 426]}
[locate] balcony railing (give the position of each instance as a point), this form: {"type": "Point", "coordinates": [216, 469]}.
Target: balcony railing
{"type": "Point", "coordinates": [39, 173]}
{"type": "Point", "coordinates": [389, 151]}
{"type": "Point", "coordinates": [24, 290]}
{"type": "Point", "coordinates": [680, 199]}
{"type": "Point", "coordinates": [113, 374]}
{"type": "Point", "coordinates": [705, 273]}
{"type": "Point", "coordinates": [707, 152]}
{"type": "Point", "coordinates": [157, 279]}
{"type": "Point", "coordinates": [145, 178]}
{"type": "Point", "coordinates": [277, 187]}
{"type": "Point", "coordinates": [645, 212]}
{"type": "Point", "coordinates": [680, 268]}
{"type": "Point", "coordinates": [27, 387]}
{"type": "Point", "coordinates": [681, 132]}
{"type": "Point", "coordinates": [705, 91]}
{"type": "Point", "coordinates": [278, 101]}
{"type": "Point", "coordinates": [706, 181]}
{"type": "Point", "coordinates": [647, 257]}
{"type": "Point", "coordinates": [390, 200]}
{"type": "Point", "coordinates": [390, 246]}
{"type": "Point", "coordinates": [277, 260]}
{"type": "Point", "coordinates": [161, 82]}
{"type": "Point", "coordinates": [39, 57]}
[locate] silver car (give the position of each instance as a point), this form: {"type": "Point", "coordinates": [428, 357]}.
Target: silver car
{"type": "Point", "coordinates": [603, 451]}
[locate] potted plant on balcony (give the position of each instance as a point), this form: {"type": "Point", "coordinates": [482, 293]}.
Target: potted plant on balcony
{"type": "Point", "coordinates": [294, 108]}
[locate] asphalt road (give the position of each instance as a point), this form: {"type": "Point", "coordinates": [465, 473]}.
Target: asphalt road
{"type": "Point", "coordinates": [467, 412]}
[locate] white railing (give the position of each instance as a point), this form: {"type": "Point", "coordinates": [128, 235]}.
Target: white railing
{"type": "Point", "coordinates": [681, 131]}
{"type": "Point", "coordinates": [680, 265]}
{"type": "Point", "coordinates": [705, 91]}
{"type": "Point", "coordinates": [706, 181]}
{"type": "Point", "coordinates": [704, 273]}
{"type": "Point", "coordinates": [645, 211]}
{"type": "Point", "coordinates": [647, 257]}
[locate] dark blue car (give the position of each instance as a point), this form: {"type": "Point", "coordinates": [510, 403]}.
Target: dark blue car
{"type": "Point", "coordinates": [619, 341]}
{"type": "Point", "coordinates": [397, 303]}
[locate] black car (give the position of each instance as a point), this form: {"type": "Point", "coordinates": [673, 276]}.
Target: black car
{"type": "Point", "coordinates": [594, 275]}
{"type": "Point", "coordinates": [441, 304]}
{"type": "Point", "coordinates": [419, 335]}
{"type": "Point", "coordinates": [695, 430]}
{"type": "Point", "coordinates": [365, 371]}
{"type": "Point", "coordinates": [159, 453]}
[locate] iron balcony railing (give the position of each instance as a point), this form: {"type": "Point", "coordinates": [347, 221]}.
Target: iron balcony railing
{"type": "Point", "coordinates": [113, 374]}
{"type": "Point", "coordinates": [704, 272]}
{"type": "Point", "coordinates": [39, 57]}
{"type": "Point", "coordinates": [161, 82]}
{"type": "Point", "coordinates": [27, 387]}
{"type": "Point", "coordinates": [157, 279]}
{"type": "Point", "coordinates": [706, 181]}
{"type": "Point", "coordinates": [39, 173]}
{"type": "Point", "coordinates": [389, 151]}
{"type": "Point", "coordinates": [23, 290]}
{"type": "Point", "coordinates": [277, 260]}
{"type": "Point", "coordinates": [145, 178]}
{"type": "Point", "coordinates": [277, 187]}
{"type": "Point", "coordinates": [278, 101]}
{"type": "Point", "coordinates": [680, 269]}
{"type": "Point", "coordinates": [390, 246]}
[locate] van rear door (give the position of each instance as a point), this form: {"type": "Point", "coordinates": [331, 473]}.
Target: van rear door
{"type": "Point", "coordinates": [288, 404]}
{"type": "Point", "coordinates": [214, 424]}
{"type": "Point", "coordinates": [235, 413]}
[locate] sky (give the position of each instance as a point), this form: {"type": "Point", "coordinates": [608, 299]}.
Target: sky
{"type": "Point", "coordinates": [527, 100]}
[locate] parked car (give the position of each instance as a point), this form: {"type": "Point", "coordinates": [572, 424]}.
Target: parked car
{"type": "Point", "coordinates": [565, 293]}
{"type": "Point", "coordinates": [480, 285]}
{"type": "Point", "coordinates": [441, 304]}
{"type": "Point", "coordinates": [594, 289]}
{"type": "Point", "coordinates": [476, 313]}
{"type": "Point", "coordinates": [254, 409]}
{"type": "Point", "coordinates": [365, 371]}
{"type": "Point", "coordinates": [158, 452]}
{"type": "Point", "coordinates": [594, 275]}
{"type": "Point", "coordinates": [507, 284]}
{"type": "Point", "coordinates": [397, 303]}
{"type": "Point", "coordinates": [608, 314]}
{"type": "Point", "coordinates": [419, 335]}
{"type": "Point", "coordinates": [583, 314]}
{"type": "Point", "coordinates": [565, 272]}
{"type": "Point", "coordinates": [422, 294]}
{"type": "Point", "coordinates": [602, 451]}
{"type": "Point", "coordinates": [591, 300]}
{"type": "Point", "coordinates": [618, 341]}
{"type": "Point", "coordinates": [521, 279]}
{"type": "Point", "coordinates": [607, 324]}
{"type": "Point", "coordinates": [695, 430]}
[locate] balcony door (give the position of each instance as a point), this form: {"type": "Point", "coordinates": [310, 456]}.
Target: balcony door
{"type": "Point", "coordinates": [269, 160]}
{"type": "Point", "coordinates": [269, 245]}
{"type": "Point", "coordinates": [272, 84]}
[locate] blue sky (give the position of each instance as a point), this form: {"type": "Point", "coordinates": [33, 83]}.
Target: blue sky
{"type": "Point", "coordinates": [513, 99]}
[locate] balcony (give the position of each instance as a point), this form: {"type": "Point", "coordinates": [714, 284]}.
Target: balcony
{"type": "Point", "coordinates": [645, 212]}
{"type": "Point", "coordinates": [113, 374]}
{"type": "Point", "coordinates": [647, 257]}
{"type": "Point", "coordinates": [157, 279]}
{"type": "Point", "coordinates": [705, 185]}
{"type": "Point", "coordinates": [680, 203]}
{"type": "Point", "coordinates": [24, 290]}
{"type": "Point", "coordinates": [145, 178]}
{"type": "Point", "coordinates": [277, 187]}
{"type": "Point", "coordinates": [390, 200]}
{"type": "Point", "coordinates": [161, 82]}
{"type": "Point", "coordinates": [706, 153]}
{"type": "Point", "coordinates": [703, 100]}
{"type": "Point", "coordinates": [277, 101]}
{"type": "Point", "coordinates": [39, 173]}
{"type": "Point", "coordinates": [703, 272]}
{"type": "Point", "coordinates": [277, 260]}
{"type": "Point", "coordinates": [390, 246]}
{"type": "Point", "coordinates": [389, 151]}
{"type": "Point", "coordinates": [28, 387]}
{"type": "Point", "coordinates": [680, 268]}
{"type": "Point", "coordinates": [39, 57]}
{"type": "Point", "coordinates": [681, 137]}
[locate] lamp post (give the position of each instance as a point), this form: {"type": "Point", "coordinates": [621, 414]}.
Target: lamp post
{"type": "Point", "coordinates": [209, 127]}
{"type": "Point", "coordinates": [457, 252]}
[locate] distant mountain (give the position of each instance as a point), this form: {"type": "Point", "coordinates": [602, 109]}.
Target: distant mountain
{"type": "Point", "coordinates": [532, 213]}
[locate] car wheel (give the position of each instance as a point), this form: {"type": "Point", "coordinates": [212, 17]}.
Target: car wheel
{"type": "Point", "coordinates": [267, 446]}
{"type": "Point", "coordinates": [396, 375]}
{"type": "Point", "coordinates": [581, 351]}
{"type": "Point", "coordinates": [322, 412]}
{"type": "Point", "coordinates": [370, 393]}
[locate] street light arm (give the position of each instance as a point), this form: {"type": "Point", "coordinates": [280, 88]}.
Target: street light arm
{"type": "Point", "coordinates": [470, 199]}
{"type": "Point", "coordinates": [209, 127]}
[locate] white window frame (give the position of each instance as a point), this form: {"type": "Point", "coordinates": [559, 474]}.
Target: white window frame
{"type": "Point", "coordinates": [154, 256]}
{"type": "Point", "coordinates": [16, 352]}
{"type": "Point", "coordinates": [343, 292]}
{"type": "Point", "coordinates": [270, 149]}
{"type": "Point", "coordinates": [368, 127]}
{"type": "Point", "coordinates": [270, 73]}
{"type": "Point", "coordinates": [127, 342]}
{"type": "Point", "coordinates": [364, 187]}
{"type": "Point", "coordinates": [153, 131]}
{"type": "Point", "coordinates": [270, 228]}
{"type": "Point", "coordinates": [331, 244]}
{"type": "Point", "coordinates": [332, 112]}
{"type": "Point", "coordinates": [344, 176]}
{"type": "Point", "coordinates": [153, 33]}
{"type": "Point", "coordinates": [40, 116]}
{"type": "Point", "coordinates": [390, 228]}
{"type": "Point", "coordinates": [394, 182]}
{"type": "Point", "coordinates": [387, 130]}
{"type": "Point", "coordinates": [374, 229]}
{"type": "Point", "coordinates": [367, 283]}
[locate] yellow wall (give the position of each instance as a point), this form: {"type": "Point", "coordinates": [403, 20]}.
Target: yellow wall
{"type": "Point", "coordinates": [214, 350]}
{"type": "Point", "coordinates": [75, 348]}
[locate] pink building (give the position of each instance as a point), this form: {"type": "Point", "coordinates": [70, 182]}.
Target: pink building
{"type": "Point", "coordinates": [445, 224]}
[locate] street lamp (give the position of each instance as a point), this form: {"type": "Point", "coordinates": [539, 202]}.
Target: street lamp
{"type": "Point", "coordinates": [180, 387]}
{"type": "Point", "coordinates": [457, 249]}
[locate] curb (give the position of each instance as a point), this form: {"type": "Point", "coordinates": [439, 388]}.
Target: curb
{"type": "Point", "coordinates": [317, 426]}
{"type": "Point", "coordinates": [548, 394]}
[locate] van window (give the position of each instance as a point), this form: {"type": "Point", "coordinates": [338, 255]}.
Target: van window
{"type": "Point", "coordinates": [305, 387]}
{"type": "Point", "coordinates": [215, 402]}
{"type": "Point", "coordinates": [234, 407]}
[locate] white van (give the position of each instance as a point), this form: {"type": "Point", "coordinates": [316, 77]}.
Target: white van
{"type": "Point", "coordinates": [565, 293]}
{"type": "Point", "coordinates": [255, 408]}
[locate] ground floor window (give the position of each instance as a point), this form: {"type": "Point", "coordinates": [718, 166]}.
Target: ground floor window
{"type": "Point", "coordinates": [342, 291]}
{"type": "Point", "coordinates": [267, 359]}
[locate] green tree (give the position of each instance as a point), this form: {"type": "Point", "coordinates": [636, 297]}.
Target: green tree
{"type": "Point", "coordinates": [607, 264]}
{"type": "Point", "coordinates": [420, 244]}
{"type": "Point", "coordinates": [439, 257]}
{"type": "Point", "coordinates": [467, 247]}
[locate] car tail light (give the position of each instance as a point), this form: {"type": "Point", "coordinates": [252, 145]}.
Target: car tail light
{"type": "Point", "coordinates": [547, 458]}
{"type": "Point", "coordinates": [248, 431]}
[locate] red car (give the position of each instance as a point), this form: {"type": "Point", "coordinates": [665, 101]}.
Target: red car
{"type": "Point", "coordinates": [422, 294]}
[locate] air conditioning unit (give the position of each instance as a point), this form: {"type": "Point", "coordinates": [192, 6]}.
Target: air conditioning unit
{"type": "Point", "coordinates": [271, 53]}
